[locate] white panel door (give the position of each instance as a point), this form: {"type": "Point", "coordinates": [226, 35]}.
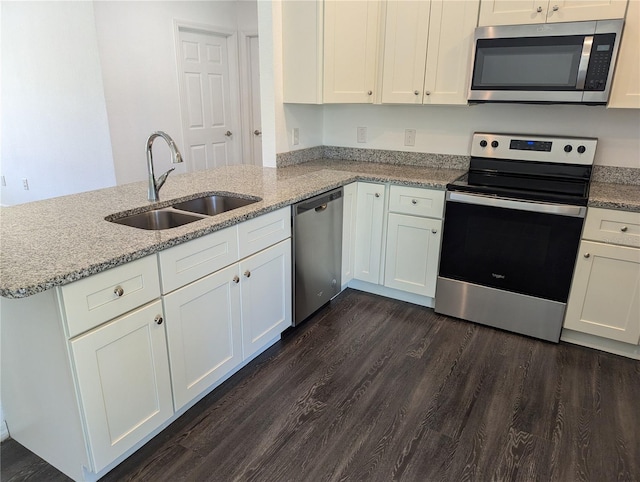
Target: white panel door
{"type": "Point", "coordinates": [350, 50]}
{"type": "Point", "coordinates": [413, 249]}
{"type": "Point", "coordinates": [369, 225]}
{"type": "Point", "coordinates": [605, 293]}
{"type": "Point", "coordinates": [266, 296]}
{"type": "Point", "coordinates": [123, 378]}
{"type": "Point", "coordinates": [405, 51]}
{"type": "Point", "coordinates": [256, 118]}
{"type": "Point", "coordinates": [451, 29]}
{"type": "Point", "coordinates": [209, 98]}
{"type": "Point", "coordinates": [204, 333]}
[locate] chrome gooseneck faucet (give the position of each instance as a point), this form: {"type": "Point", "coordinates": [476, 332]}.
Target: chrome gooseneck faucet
{"type": "Point", "coordinates": [155, 185]}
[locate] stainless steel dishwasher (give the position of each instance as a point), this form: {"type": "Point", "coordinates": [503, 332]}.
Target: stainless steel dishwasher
{"type": "Point", "coordinates": [317, 252]}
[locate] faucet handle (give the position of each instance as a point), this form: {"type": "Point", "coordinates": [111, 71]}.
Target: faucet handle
{"type": "Point", "coordinates": [161, 180]}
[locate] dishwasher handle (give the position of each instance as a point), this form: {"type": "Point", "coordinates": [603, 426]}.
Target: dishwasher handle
{"type": "Point", "coordinates": [318, 203]}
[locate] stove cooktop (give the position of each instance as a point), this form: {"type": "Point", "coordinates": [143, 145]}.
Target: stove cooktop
{"type": "Point", "coordinates": [542, 169]}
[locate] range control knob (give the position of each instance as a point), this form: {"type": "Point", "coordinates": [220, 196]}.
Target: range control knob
{"type": "Point", "coordinates": [568, 148]}
{"type": "Point", "coordinates": [581, 149]}
{"type": "Point", "coordinates": [494, 144]}
{"type": "Point", "coordinates": [483, 143]}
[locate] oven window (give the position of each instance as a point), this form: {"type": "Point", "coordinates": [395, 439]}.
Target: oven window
{"type": "Point", "coordinates": [518, 251]}
{"type": "Point", "coordinates": [548, 63]}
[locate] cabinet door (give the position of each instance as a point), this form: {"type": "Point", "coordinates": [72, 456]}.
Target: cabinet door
{"type": "Point", "coordinates": [123, 379]}
{"type": "Point", "coordinates": [266, 297]}
{"type": "Point", "coordinates": [604, 299]}
{"type": "Point", "coordinates": [405, 51]}
{"type": "Point", "coordinates": [350, 50]}
{"type": "Point", "coordinates": [625, 91]}
{"type": "Point", "coordinates": [580, 10]}
{"type": "Point", "coordinates": [369, 224]}
{"type": "Point", "coordinates": [204, 333]}
{"type": "Point", "coordinates": [448, 66]}
{"type": "Point", "coordinates": [512, 12]}
{"type": "Point", "coordinates": [413, 248]}
{"type": "Point", "coordinates": [348, 231]}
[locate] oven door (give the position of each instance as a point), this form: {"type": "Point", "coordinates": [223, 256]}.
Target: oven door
{"type": "Point", "coordinates": [517, 246]}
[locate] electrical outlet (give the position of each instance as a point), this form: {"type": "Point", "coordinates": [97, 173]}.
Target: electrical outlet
{"type": "Point", "coordinates": [295, 135]}
{"type": "Point", "coordinates": [409, 137]}
{"type": "Point", "coordinates": [362, 134]}
{"type": "Point", "coordinates": [25, 184]}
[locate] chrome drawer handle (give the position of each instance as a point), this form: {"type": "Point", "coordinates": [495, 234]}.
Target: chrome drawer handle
{"type": "Point", "coordinates": [377, 194]}
{"type": "Point", "coordinates": [555, 8]}
{"type": "Point", "coordinates": [414, 202]}
{"type": "Point", "coordinates": [370, 92]}
{"type": "Point", "coordinates": [624, 229]}
{"type": "Point", "coordinates": [587, 255]}
{"type": "Point", "coordinates": [158, 319]}
{"type": "Point", "coordinates": [434, 231]}
{"type": "Point", "coordinates": [228, 133]}
{"type": "Point", "coordinates": [118, 291]}
{"type": "Point", "coordinates": [247, 274]}
{"type": "Point", "coordinates": [539, 9]}
{"type": "Point", "coordinates": [236, 279]}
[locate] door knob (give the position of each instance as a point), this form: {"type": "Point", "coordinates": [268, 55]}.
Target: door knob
{"type": "Point", "coordinates": [228, 133]}
{"type": "Point", "coordinates": [257, 132]}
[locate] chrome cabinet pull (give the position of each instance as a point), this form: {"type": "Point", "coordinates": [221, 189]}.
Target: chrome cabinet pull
{"type": "Point", "coordinates": [247, 274]}
{"type": "Point", "coordinates": [539, 9]}
{"type": "Point", "coordinates": [236, 279]}
{"type": "Point", "coordinates": [624, 229]}
{"type": "Point", "coordinates": [434, 231]}
{"type": "Point", "coordinates": [428, 92]}
{"type": "Point", "coordinates": [555, 8]}
{"type": "Point", "coordinates": [377, 194]}
{"type": "Point", "coordinates": [370, 92]}
{"type": "Point", "coordinates": [416, 92]}
{"type": "Point", "coordinates": [228, 133]}
{"type": "Point", "coordinates": [414, 202]}
{"type": "Point", "coordinates": [158, 319]}
{"type": "Point", "coordinates": [587, 255]}
{"type": "Point", "coordinates": [257, 132]}
{"type": "Point", "coordinates": [118, 291]}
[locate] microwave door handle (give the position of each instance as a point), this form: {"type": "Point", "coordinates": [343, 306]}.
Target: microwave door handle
{"type": "Point", "coordinates": [584, 62]}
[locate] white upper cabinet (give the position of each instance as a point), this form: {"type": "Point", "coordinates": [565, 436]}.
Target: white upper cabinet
{"type": "Point", "coordinates": [625, 91]}
{"type": "Point", "coordinates": [514, 12]}
{"type": "Point", "coordinates": [350, 51]}
{"type": "Point", "coordinates": [427, 50]}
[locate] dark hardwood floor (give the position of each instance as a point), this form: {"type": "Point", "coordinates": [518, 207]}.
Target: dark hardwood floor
{"type": "Point", "coordinates": [378, 390]}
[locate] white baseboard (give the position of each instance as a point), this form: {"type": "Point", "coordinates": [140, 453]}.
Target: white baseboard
{"type": "Point", "coordinates": [603, 344]}
{"type": "Point", "coordinates": [391, 293]}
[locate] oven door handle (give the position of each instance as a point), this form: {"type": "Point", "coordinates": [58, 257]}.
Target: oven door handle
{"type": "Point", "coordinates": [546, 208]}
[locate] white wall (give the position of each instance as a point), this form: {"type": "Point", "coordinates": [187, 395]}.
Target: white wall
{"type": "Point", "coordinates": [138, 53]}
{"type": "Point", "coordinates": [54, 120]}
{"type": "Point", "coordinates": [448, 129]}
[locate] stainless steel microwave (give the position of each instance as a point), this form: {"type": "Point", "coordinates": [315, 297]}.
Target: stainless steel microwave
{"type": "Point", "coordinates": [545, 63]}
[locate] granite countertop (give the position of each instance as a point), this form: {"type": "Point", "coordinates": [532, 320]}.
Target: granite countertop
{"type": "Point", "coordinates": [625, 197]}
{"type": "Point", "coordinates": [57, 241]}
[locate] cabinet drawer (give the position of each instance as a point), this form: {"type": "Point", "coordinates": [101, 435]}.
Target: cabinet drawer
{"type": "Point", "coordinates": [612, 227]}
{"type": "Point", "coordinates": [416, 201]}
{"type": "Point", "coordinates": [101, 297]}
{"type": "Point", "coordinates": [190, 261]}
{"type": "Point", "coordinates": [264, 231]}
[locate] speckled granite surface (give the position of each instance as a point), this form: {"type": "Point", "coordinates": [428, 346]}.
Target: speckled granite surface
{"type": "Point", "coordinates": [625, 197]}
{"type": "Point", "coordinates": [423, 159]}
{"type": "Point", "coordinates": [57, 241]}
{"type": "Point", "coordinates": [616, 175]}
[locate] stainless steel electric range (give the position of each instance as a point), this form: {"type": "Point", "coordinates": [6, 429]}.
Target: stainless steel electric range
{"type": "Point", "coordinates": [511, 232]}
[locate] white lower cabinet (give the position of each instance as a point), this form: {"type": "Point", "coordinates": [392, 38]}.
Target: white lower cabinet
{"type": "Point", "coordinates": [605, 295]}
{"type": "Point", "coordinates": [413, 248]}
{"type": "Point", "coordinates": [369, 225]}
{"type": "Point", "coordinates": [350, 193]}
{"type": "Point", "coordinates": [123, 382]}
{"type": "Point", "coordinates": [204, 333]}
{"type": "Point", "coordinates": [397, 241]}
{"type": "Point", "coordinates": [603, 310]}
{"type": "Point", "coordinates": [266, 297]}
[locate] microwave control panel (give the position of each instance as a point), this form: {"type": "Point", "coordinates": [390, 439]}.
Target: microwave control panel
{"type": "Point", "coordinates": [599, 61]}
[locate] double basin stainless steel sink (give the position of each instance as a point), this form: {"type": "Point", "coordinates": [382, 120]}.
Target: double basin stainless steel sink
{"type": "Point", "coordinates": [183, 212]}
